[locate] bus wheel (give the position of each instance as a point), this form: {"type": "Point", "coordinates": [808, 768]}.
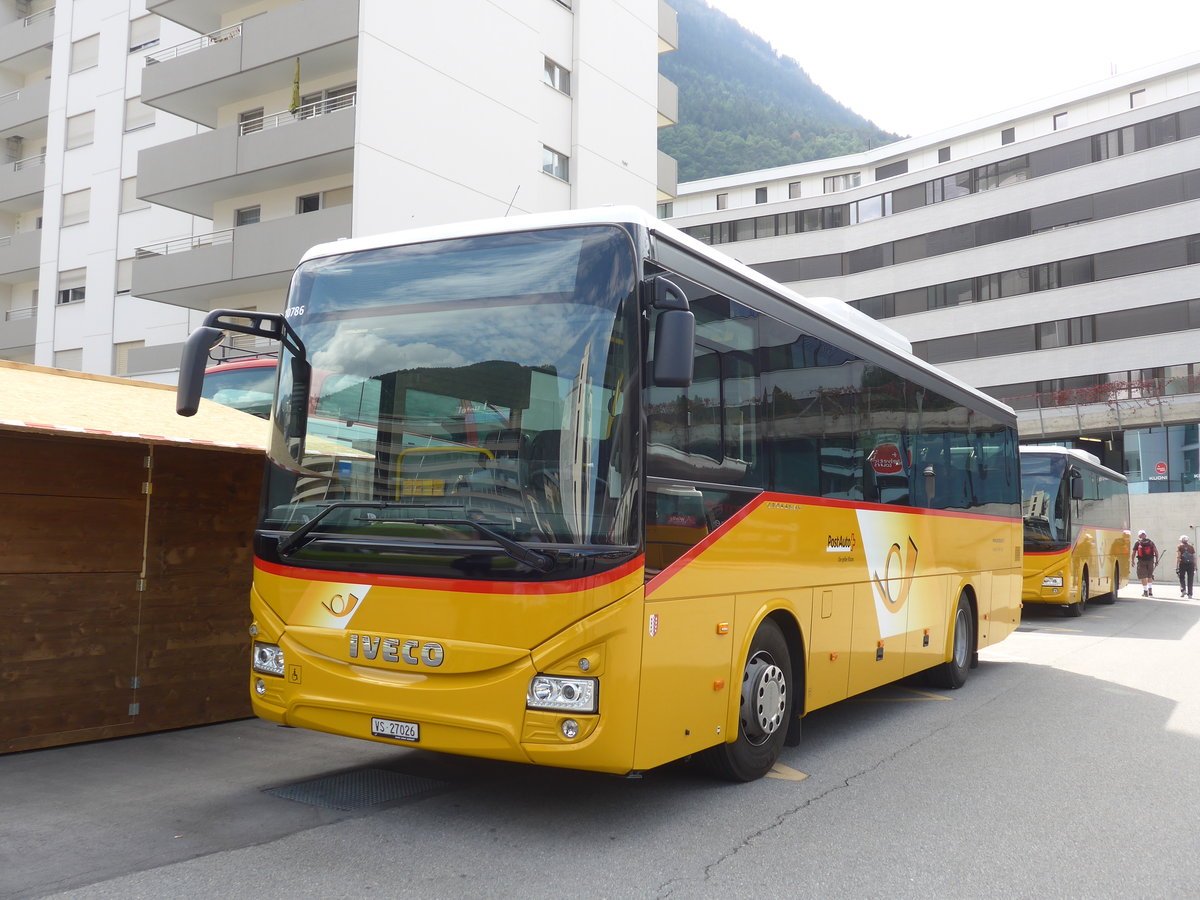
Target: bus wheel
{"type": "Point", "coordinates": [766, 710]}
{"type": "Point", "coordinates": [953, 674]}
{"type": "Point", "coordinates": [1075, 609]}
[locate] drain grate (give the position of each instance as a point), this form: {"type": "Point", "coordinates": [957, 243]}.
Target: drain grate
{"type": "Point", "coordinates": [357, 789]}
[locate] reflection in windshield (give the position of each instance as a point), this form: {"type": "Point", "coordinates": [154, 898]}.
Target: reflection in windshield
{"type": "Point", "coordinates": [1044, 502]}
{"type": "Point", "coordinates": [481, 380]}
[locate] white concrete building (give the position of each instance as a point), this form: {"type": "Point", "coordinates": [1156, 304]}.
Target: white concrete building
{"type": "Point", "coordinates": [1049, 254]}
{"type": "Point", "coordinates": [168, 157]}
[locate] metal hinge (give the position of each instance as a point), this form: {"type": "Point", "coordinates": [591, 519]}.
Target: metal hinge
{"type": "Point", "coordinates": [135, 682]}
{"type": "Point", "coordinates": [141, 584]}
{"type": "Point", "coordinates": [134, 708]}
{"type": "Point", "coordinates": [146, 487]}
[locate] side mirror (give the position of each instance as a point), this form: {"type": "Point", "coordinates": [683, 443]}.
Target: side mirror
{"type": "Point", "coordinates": [1076, 488]}
{"type": "Point", "coordinates": [192, 366]}
{"type": "Point", "coordinates": [674, 335]}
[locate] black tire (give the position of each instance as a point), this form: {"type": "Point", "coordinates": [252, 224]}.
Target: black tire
{"type": "Point", "coordinates": [766, 710]}
{"type": "Point", "coordinates": [953, 674]}
{"type": "Point", "coordinates": [1074, 610]}
{"type": "Point", "coordinates": [1111, 597]}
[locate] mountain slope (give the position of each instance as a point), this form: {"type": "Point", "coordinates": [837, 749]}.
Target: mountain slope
{"type": "Point", "coordinates": [742, 106]}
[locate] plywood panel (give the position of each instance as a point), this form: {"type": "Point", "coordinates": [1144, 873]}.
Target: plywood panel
{"type": "Point", "coordinates": [65, 466]}
{"type": "Point", "coordinates": [41, 534]}
{"type": "Point", "coordinates": [67, 654]}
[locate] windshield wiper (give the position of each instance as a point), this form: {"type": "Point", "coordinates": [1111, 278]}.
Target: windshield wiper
{"type": "Point", "coordinates": [297, 538]}
{"type": "Point", "coordinates": [542, 562]}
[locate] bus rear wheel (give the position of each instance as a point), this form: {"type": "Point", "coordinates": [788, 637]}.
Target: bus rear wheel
{"type": "Point", "coordinates": [953, 674]}
{"type": "Point", "coordinates": [766, 710]}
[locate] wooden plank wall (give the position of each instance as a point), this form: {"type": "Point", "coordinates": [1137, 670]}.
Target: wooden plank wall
{"type": "Point", "coordinates": [85, 652]}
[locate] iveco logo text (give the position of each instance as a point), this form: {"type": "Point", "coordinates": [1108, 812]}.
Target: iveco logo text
{"type": "Point", "coordinates": [394, 650]}
{"type": "Point", "coordinates": [841, 543]}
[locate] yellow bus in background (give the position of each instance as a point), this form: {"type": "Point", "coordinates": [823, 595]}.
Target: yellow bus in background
{"type": "Point", "coordinates": [1076, 514]}
{"type": "Point", "coordinates": [615, 500]}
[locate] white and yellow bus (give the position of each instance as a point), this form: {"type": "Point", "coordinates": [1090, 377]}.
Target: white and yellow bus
{"type": "Point", "coordinates": [623, 500]}
{"type": "Point", "coordinates": [1076, 514]}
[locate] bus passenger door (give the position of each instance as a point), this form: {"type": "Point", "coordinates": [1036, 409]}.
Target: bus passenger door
{"type": "Point", "coordinates": [829, 645]}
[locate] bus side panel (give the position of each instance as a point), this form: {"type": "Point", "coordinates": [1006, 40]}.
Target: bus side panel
{"type": "Point", "coordinates": [928, 625]}
{"type": "Point", "coordinates": [875, 659]}
{"type": "Point", "coordinates": [828, 673]}
{"type": "Point", "coordinates": [684, 696]}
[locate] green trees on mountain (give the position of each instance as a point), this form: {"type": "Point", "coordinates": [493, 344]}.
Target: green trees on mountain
{"type": "Point", "coordinates": [742, 106]}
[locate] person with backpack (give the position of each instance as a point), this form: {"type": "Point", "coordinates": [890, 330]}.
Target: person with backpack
{"type": "Point", "coordinates": [1185, 565]}
{"type": "Point", "coordinates": [1145, 557]}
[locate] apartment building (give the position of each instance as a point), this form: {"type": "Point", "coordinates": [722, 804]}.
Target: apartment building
{"type": "Point", "coordinates": [1047, 254]}
{"type": "Point", "coordinates": [177, 156]}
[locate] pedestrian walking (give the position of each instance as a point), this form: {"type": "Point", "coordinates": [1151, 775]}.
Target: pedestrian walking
{"type": "Point", "coordinates": [1185, 565]}
{"type": "Point", "coordinates": [1145, 557]}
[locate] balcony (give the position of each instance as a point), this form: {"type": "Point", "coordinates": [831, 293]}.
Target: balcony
{"type": "Point", "coordinates": [1109, 407]}
{"type": "Point", "coordinates": [252, 58]}
{"type": "Point", "coordinates": [668, 102]}
{"type": "Point", "coordinates": [18, 327]}
{"type": "Point", "coordinates": [668, 28]}
{"type": "Point", "coordinates": [275, 151]}
{"type": "Point", "coordinates": [198, 15]}
{"type": "Point", "coordinates": [21, 184]}
{"type": "Point", "coordinates": [200, 272]}
{"type": "Point", "coordinates": [20, 256]}
{"type": "Point", "coordinates": [23, 108]}
{"type": "Point", "coordinates": [668, 177]}
{"type": "Point", "coordinates": [25, 44]}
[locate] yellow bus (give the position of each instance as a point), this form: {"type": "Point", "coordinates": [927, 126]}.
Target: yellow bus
{"type": "Point", "coordinates": [623, 500]}
{"type": "Point", "coordinates": [1076, 514]}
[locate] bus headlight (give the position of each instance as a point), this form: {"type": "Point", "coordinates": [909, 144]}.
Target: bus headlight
{"type": "Point", "coordinates": [1052, 581]}
{"type": "Point", "coordinates": [268, 659]}
{"type": "Point", "coordinates": [570, 694]}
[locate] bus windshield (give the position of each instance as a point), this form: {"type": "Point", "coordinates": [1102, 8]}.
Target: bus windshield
{"type": "Point", "coordinates": [470, 390]}
{"type": "Point", "coordinates": [1045, 501]}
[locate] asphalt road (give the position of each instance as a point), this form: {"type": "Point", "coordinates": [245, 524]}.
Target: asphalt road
{"type": "Point", "coordinates": [1068, 766]}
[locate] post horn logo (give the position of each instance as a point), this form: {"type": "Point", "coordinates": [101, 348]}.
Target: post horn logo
{"type": "Point", "coordinates": [340, 606]}
{"type": "Point", "coordinates": [898, 572]}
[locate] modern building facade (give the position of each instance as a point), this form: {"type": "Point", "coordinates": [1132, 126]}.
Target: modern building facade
{"type": "Point", "coordinates": [169, 157]}
{"type": "Point", "coordinates": [1048, 254]}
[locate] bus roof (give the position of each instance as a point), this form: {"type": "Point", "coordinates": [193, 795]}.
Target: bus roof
{"type": "Point", "coordinates": [1082, 456]}
{"type": "Point", "coordinates": [834, 311]}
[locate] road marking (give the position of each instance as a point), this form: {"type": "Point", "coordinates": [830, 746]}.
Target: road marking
{"type": "Point", "coordinates": [785, 773]}
{"type": "Point", "coordinates": [920, 696]}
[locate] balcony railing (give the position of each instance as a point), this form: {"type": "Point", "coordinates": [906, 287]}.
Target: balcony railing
{"type": "Point", "coordinates": [13, 315]}
{"type": "Point", "coordinates": [39, 17]}
{"type": "Point", "coordinates": [308, 111]}
{"type": "Point", "coordinates": [205, 40]}
{"type": "Point", "coordinates": [29, 162]}
{"type": "Point", "coordinates": [183, 245]}
{"type": "Point", "coordinates": [1109, 392]}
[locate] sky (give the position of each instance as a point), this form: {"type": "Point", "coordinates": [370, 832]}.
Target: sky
{"type": "Point", "coordinates": [915, 68]}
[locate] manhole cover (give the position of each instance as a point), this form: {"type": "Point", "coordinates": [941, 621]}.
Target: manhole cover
{"type": "Point", "coordinates": [357, 789]}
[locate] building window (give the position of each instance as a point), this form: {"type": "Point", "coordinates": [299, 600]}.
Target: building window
{"type": "Point", "coordinates": [943, 154]}
{"type": "Point", "coordinates": [666, 210]}
{"type": "Point", "coordinates": [249, 215]}
{"type": "Point", "coordinates": [555, 163]}
{"type": "Point", "coordinates": [327, 101]}
{"type": "Point", "coordinates": [75, 207]}
{"type": "Point", "coordinates": [143, 33]}
{"type": "Point", "coordinates": [71, 286]}
{"type": "Point", "coordinates": [1137, 98]}
{"type": "Point", "coordinates": [793, 190]}
{"type": "Point", "coordinates": [1008, 135]}
{"type": "Point", "coordinates": [80, 130]}
{"type": "Point", "coordinates": [121, 355]}
{"type": "Point", "coordinates": [760, 195]}
{"type": "Point", "coordinates": [137, 114]}
{"type": "Point", "coordinates": [891, 170]}
{"type": "Point", "coordinates": [129, 197]}
{"type": "Point", "coordinates": [834, 183]}
{"type": "Point", "coordinates": [124, 276]}
{"type": "Point", "coordinates": [308, 203]}
{"type": "Point", "coordinates": [69, 359]}
{"type": "Point", "coordinates": [722, 201]}
{"type": "Point", "coordinates": [1060, 121]}
{"type": "Point", "coordinates": [556, 76]}
{"type": "Point", "coordinates": [85, 53]}
{"type": "Point", "coordinates": [250, 121]}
